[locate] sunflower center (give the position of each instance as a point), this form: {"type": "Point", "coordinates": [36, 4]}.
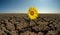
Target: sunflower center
{"type": "Point", "coordinates": [32, 13]}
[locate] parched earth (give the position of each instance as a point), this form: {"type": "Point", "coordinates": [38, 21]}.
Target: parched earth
{"type": "Point", "coordinates": [20, 24]}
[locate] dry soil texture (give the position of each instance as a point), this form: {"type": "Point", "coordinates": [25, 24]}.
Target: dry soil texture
{"type": "Point", "coordinates": [20, 24]}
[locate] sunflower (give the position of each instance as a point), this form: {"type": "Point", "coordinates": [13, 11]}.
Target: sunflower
{"type": "Point", "coordinates": [32, 13]}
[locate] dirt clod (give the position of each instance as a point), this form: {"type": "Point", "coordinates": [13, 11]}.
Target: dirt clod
{"type": "Point", "coordinates": [20, 24]}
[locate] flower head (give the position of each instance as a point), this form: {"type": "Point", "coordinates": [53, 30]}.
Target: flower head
{"type": "Point", "coordinates": [32, 13]}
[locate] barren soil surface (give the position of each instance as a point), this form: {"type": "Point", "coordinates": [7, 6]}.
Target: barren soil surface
{"type": "Point", "coordinates": [20, 24]}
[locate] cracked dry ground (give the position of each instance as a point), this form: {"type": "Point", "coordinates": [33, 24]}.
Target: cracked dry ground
{"type": "Point", "coordinates": [19, 24]}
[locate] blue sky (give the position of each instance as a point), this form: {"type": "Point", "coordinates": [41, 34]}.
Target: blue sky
{"type": "Point", "coordinates": [21, 6]}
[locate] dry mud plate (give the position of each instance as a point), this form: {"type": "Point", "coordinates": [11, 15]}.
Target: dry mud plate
{"type": "Point", "coordinates": [19, 24]}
